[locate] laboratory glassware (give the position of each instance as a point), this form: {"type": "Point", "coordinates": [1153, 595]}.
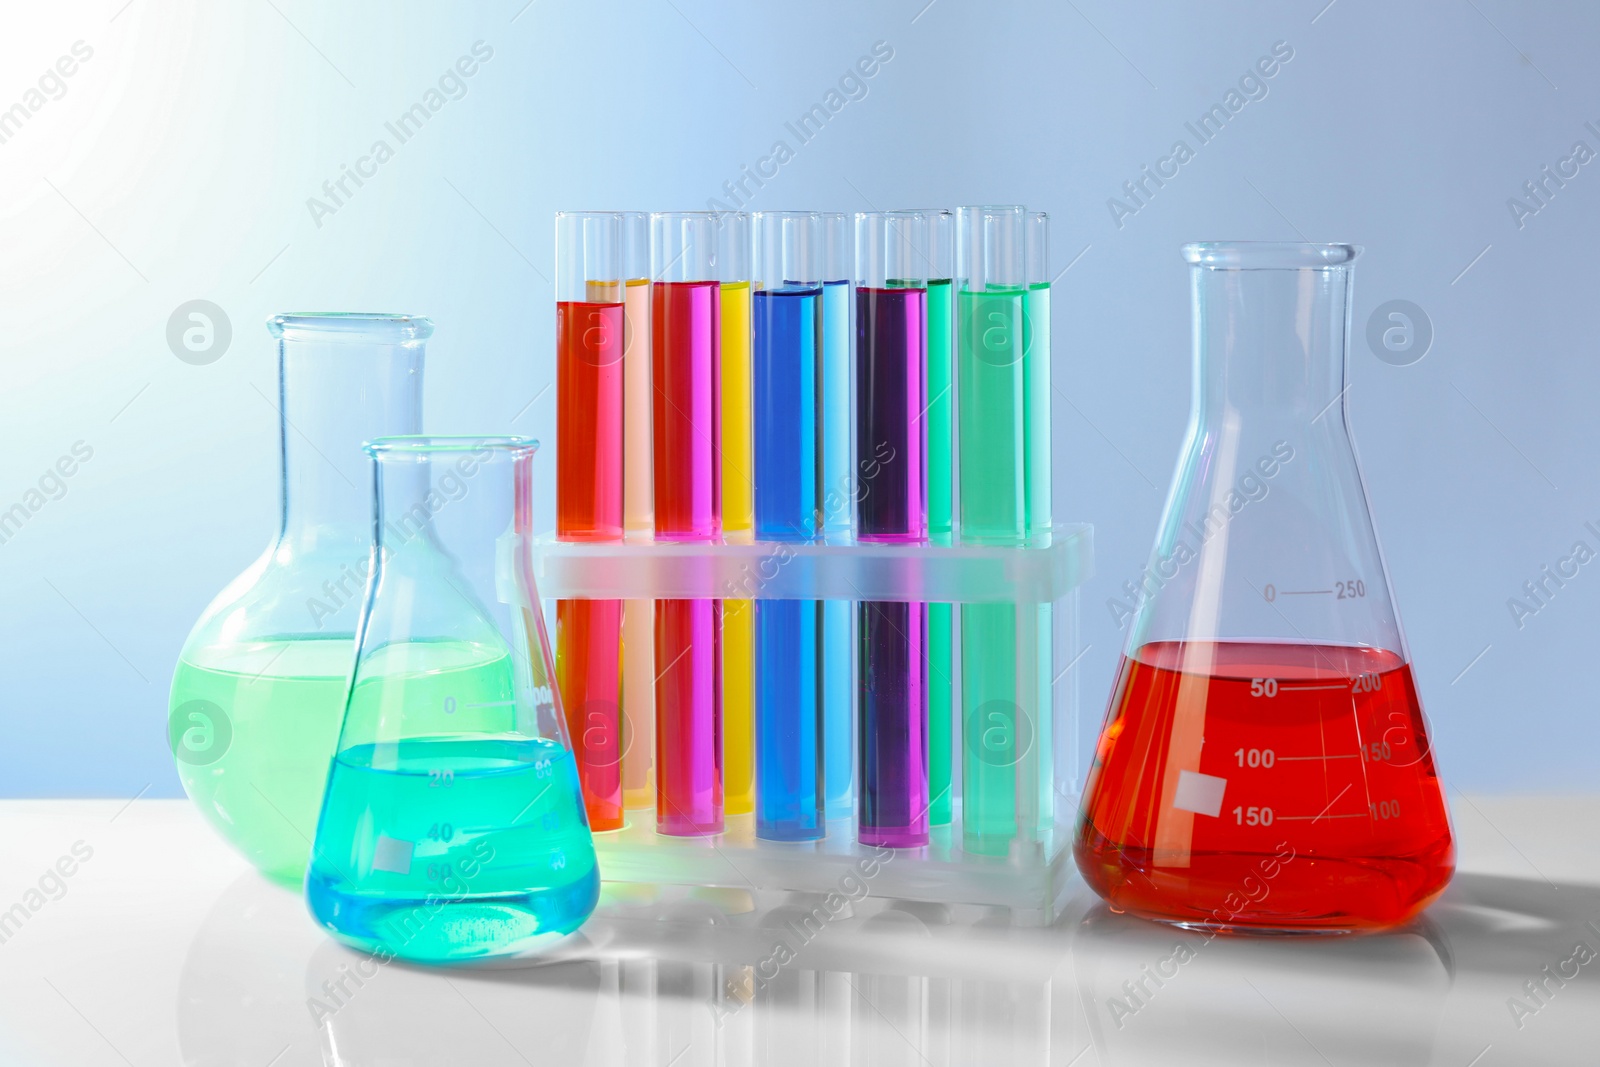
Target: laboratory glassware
{"type": "Point", "coordinates": [638, 616]}
{"type": "Point", "coordinates": [836, 490]}
{"type": "Point", "coordinates": [788, 328]}
{"type": "Point", "coordinates": [892, 652]}
{"type": "Point", "coordinates": [259, 687]}
{"type": "Point", "coordinates": [937, 432]}
{"type": "Point", "coordinates": [453, 825]}
{"type": "Point", "coordinates": [1265, 763]}
{"type": "Point", "coordinates": [686, 429]}
{"type": "Point", "coordinates": [1006, 725]}
{"type": "Point", "coordinates": [590, 345]}
{"type": "Point", "coordinates": [738, 516]}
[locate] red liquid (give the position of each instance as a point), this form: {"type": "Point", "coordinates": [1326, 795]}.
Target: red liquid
{"type": "Point", "coordinates": [588, 421]}
{"type": "Point", "coordinates": [589, 672]}
{"type": "Point", "coordinates": [1316, 804]}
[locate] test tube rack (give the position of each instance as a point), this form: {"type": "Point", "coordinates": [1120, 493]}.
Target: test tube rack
{"type": "Point", "coordinates": [1032, 881]}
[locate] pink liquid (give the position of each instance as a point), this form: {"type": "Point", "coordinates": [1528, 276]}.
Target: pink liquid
{"type": "Point", "coordinates": [685, 352]}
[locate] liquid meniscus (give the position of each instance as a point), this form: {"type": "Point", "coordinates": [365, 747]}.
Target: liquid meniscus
{"type": "Point", "coordinates": [1264, 785]}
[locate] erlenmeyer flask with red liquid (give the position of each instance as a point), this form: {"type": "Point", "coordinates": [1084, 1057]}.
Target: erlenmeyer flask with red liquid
{"type": "Point", "coordinates": [1265, 764]}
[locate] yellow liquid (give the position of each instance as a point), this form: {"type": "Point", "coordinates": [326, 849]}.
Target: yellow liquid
{"type": "Point", "coordinates": [738, 493]}
{"type": "Point", "coordinates": [738, 704]}
{"type": "Point", "coordinates": [738, 523]}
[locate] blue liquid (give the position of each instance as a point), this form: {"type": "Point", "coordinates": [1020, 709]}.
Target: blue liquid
{"type": "Point", "coordinates": [838, 696]}
{"type": "Point", "coordinates": [789, 803]}
{"type": "Point", "coordinates": [443, 849]}
{"type": "Point", "coordinates": [838, 710]}
{"type": "Point", "coordinates": [788, 712]}
{"type": "Point", "coordinates": [784, 384]}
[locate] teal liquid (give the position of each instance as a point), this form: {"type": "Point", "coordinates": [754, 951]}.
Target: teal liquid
{"type": "Point", "coordinates": [441, 849]}
{"type": "Point", "coordinates": [941, 662]}
{"type": "Point", "coordinates": [941, 483]}
{"type": "Point", "coordinates": [449, 829]}
{"type": "Point", "coordinates": [1036, 415]}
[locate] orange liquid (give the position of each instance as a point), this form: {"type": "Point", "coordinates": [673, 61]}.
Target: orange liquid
{"type": "Point", "coordinates": [1246, 785]}
{"type": "Point", "coordinates": [589, 673]}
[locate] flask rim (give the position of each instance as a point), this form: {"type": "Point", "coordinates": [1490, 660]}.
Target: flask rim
{"type": "Point", "coordinates": [1268, 255]}
{"type": "Point", "coordinates": [358, 327]}
{"type": "Point", "coordinates": [424, 445]}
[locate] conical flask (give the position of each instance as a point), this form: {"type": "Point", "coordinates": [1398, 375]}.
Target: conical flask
{"type": "Point", "coordinates": [453, 824]}
{"type": "Point", "coordinates": [259, 687]}
{"type": "Point", "coordinates": [1264, 763]}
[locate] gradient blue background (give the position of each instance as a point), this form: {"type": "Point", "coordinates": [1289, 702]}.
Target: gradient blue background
{"type": "Point", "coordinates": [178, 164]}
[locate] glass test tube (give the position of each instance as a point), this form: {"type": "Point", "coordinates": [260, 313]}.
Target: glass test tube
{"type": "Point", "coordinates": [686, 432]}
{"type": "Point", "coordinates": [589, 493]}
{"type": "Point", "coordinates": [738, 616]}
{"type": "Point", "coordinates": [1036, 461]}
{"type": "Point", "coordinates": [1036, 374]}
{"type": "Point", "coordinates": [837, 491]}
{"type": "Point", "coordinates": [939, 266]}
{"type": "Point", "coordinates": [891, 365]}
{"type": "Point", "coordinates": [999, 720]}
{"type": "Point", "coordinates": [638, 519]}
{"type": "Point", "coordinates": [789, 671]}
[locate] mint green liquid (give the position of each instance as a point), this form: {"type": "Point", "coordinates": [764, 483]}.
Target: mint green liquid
{"type": "Point", "coordinates": [1003, 385]}
{"type": "Point", "coordinates": [256, 771]}
{"type": "Point", "coordinates": [462, 839]}
{"type": "Point", "coordinates": [992, 412]}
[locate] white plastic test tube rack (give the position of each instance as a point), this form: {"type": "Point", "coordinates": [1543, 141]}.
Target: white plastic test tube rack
{"type": "Point", "coordinates": [1033, 879]}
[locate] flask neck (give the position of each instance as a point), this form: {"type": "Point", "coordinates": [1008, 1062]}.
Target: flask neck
{"type": "Point", "coordinates": [334, 396]}
{"type": "Point", "coordinates": [1270, 344]}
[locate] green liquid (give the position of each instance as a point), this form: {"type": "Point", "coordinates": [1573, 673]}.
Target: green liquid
{"type": "Point", "coordinates": [941, 456]}
{"type": "Point", "coordinates": [992, 414]}
{"type": "Point", "coordinates": [940, 404]}
{"type": "Point", "coordinates": [256, 770]}
{"type": "Point", "coordinates": [456, 838]}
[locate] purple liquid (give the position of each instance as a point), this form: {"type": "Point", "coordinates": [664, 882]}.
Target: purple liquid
{"type": "Point", "coordinates": [892, 505]}
{"type": "Point", "coordinates": [891, 368]}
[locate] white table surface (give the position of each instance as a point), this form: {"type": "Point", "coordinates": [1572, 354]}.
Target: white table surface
{"type": "Point", "coordinates": [163, 948]}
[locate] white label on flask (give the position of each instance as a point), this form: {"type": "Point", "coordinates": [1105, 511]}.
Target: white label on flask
{"type": "Point", "coordinates": [392, 855]}
{"type": "Point", "coordinates": [1199, 793]}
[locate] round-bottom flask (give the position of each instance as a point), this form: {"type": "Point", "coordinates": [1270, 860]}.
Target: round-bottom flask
{"type": "Point", "coordinates": [259, 687]}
